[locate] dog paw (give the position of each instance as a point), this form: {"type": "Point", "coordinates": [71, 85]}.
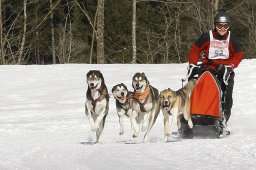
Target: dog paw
{"type": "Point", "coordinates": [166, 139]}
{"type": "Point", "coordinates": [135, 135]}
{"type": "Point", "coordinates": [121, 132]}
{"type": "Point", "coordinates": [99, 142]}
{"type": "Point", "coordinates": [168, 134]}
{"type": "Point", "coordinates": [190, 124]}
{"type": "Point", "coordinates": [136, 129]}
{"type": "Point", "coordinates": [94, 127]}
{"type": "Point", "coordinates": [145, 140]}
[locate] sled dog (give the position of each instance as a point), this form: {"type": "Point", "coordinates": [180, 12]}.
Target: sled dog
{"type": "Point", "coordinates": [97, 102]}
{"type": "Point", "coordinates": [176, 103]}
{"type": "Point", "coordinates": [145, 104]}
{"type": "Point", "coordinates": [123, 99]}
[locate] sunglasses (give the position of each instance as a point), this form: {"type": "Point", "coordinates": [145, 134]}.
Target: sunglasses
{"type": "Point", "coordinates": [222, 26]}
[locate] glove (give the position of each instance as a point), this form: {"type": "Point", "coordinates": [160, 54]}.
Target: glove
{"type": "Point", "coordinates": [224, 71]}
{"type": "Point", "coordinates": [192, 70]}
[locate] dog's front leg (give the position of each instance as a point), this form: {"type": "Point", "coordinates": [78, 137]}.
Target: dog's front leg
{"type": "Point", "coordinates": [174, 125]}
{"type": "Point", "coordinates": [88, 113]}
{"type": "Point", "coordinates": [166, 126]}
{"type": "Point", "coordinates": [151, 120]}
{"type": "Point", "coordinates": [135, 127]}
{"type": "Point", "coordinates": [121, 121]}
{"type": "Point", "coordinates": [100, 130]}
{"type": "Point", "coordinates": [145, 122]}
{"type": "Point", "coordinates": [99, 118]}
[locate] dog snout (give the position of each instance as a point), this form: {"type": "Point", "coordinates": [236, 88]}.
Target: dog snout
{"type": "Point", "coordinates": [137, 84]}
{"type": "Point", "coordinates": [91, 84]}
{"type": "Point", "coordinates": [122, 93]}
{"type": "Point", "coordinates": [166, 102]}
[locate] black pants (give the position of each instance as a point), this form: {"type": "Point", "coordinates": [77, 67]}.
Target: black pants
{"type": "Point", "coordinates": [227, 99]}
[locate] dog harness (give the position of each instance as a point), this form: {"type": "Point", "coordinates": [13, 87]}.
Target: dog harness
{"type": "Point", "coordinates": [94, 102]}
{"type": "Point", "coordinates": [127, 104]}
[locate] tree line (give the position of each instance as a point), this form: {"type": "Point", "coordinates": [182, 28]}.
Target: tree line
{"type": "Point", "coordinates": [114, 31]}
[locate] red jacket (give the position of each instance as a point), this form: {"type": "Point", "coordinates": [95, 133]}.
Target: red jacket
{"type": "Point", "coordinates": [203, 44]}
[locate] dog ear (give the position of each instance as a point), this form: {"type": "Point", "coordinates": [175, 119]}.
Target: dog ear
{"type": "Point", "coordinates": [133, 86]}
{"type": "Point", "coordinates": [136, 75]}
{"type": "Point", "coordinates": [101, 75]}
{"type": "Point", "coordinates": [145, 77]}
{"type": "Point", "coordinates": [88, 73]}
{"type": "Point", "coordinates": [102, 78]}
{"type": "Point", "coordinates": [161, 95]}
{"type": "Point", "coordinates": [159, 101]}
{"type": "Point", "coordinates": [122, 84]}
{"type": "Point", "coordinates": [113, 89]}
{"type": "Point", "coordinates": [172, 92]}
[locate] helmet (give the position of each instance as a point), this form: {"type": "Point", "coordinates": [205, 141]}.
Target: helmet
{"type": "Point", "coordinates": [222, 17]}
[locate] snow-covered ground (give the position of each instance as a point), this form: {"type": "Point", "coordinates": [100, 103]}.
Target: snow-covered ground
{"type": "Point", "coordinates": [43, 125]}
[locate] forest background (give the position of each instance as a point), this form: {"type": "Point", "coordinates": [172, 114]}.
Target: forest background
{"type": "Point", "coordinates": [115, 31]}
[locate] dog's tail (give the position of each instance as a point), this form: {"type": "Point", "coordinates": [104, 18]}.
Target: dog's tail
{"type": "Point", "coordinates": [189, 86]}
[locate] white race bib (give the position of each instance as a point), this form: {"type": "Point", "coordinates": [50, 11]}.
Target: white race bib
{"type": "Point", "coordinates": [218, 48]}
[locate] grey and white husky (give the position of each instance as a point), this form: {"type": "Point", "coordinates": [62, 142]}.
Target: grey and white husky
{"type": "Point", "coordinates": [145, 104]}
{"type": "Point", "coordinates": [124, 99]}
{"type": "Point", "coordinates": [97, 102]}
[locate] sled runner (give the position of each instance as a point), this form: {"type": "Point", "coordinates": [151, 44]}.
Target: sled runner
{"type": "Point", "coordinates": [205, 109]}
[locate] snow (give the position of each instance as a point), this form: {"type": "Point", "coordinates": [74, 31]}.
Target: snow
{"type": "Point", "coordinates": [43, 125]}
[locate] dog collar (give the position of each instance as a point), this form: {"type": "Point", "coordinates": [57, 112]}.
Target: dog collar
{"type": "Point", "coordinates": [142, 95]}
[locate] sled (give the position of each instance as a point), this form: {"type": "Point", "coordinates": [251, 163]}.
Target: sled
{"type": "Point", "coordinates": [205, 109]}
